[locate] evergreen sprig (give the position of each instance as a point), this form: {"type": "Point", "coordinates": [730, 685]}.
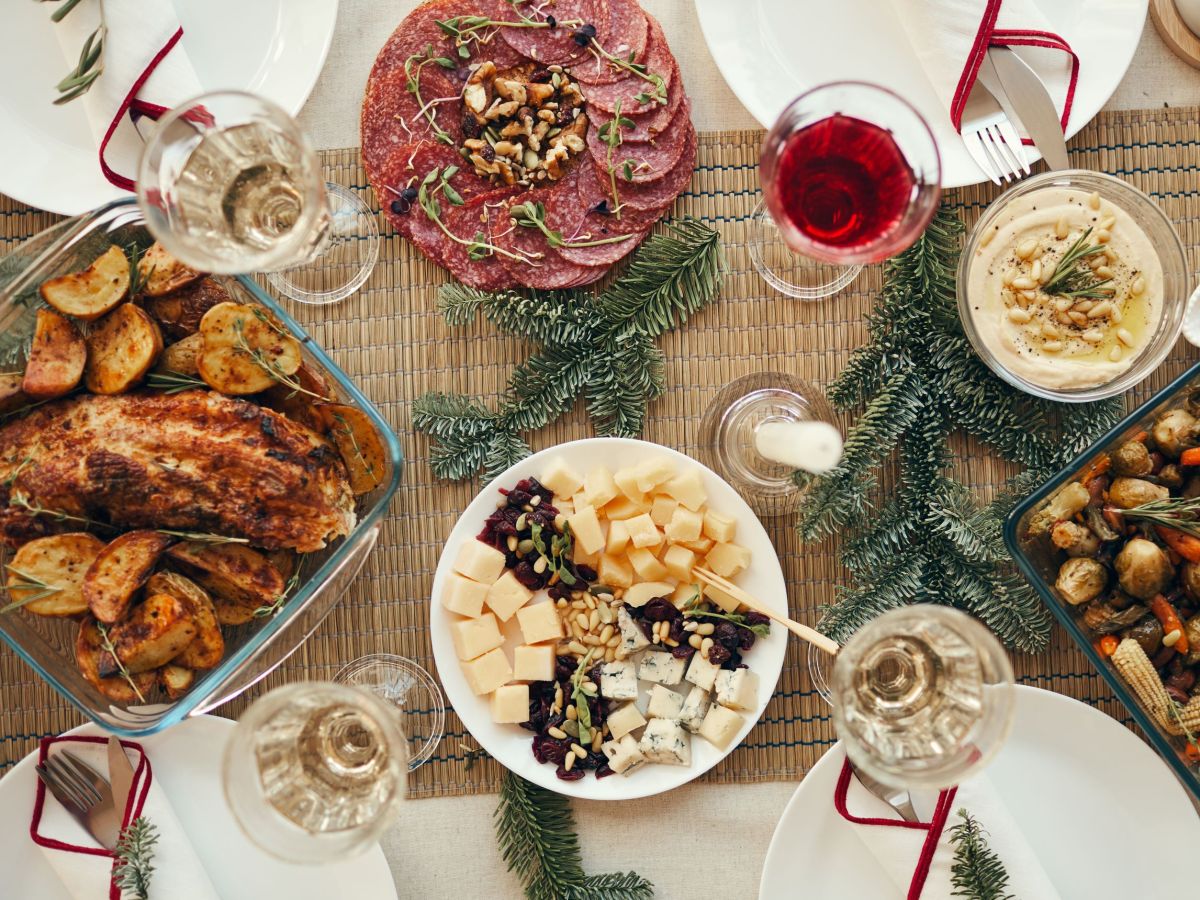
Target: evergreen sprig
{"type": "Point", "coordinates": [603, 348]}
{"type": "Point", "coordinates": [135, 852]}
{"type": "Point", "coordinates": [977, 872]}
{"type": "Point", "coordinates": [919, 380]}
{"type": "Point", "coordinates": [536, 833]}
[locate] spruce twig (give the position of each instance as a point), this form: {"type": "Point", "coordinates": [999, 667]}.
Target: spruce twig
{"type": "Point", "coordinates": [977, 873]}
{"type": "Point", "coordinates": [135, 854]}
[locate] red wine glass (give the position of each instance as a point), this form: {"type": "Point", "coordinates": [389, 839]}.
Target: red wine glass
{"type": "Point", "coordinates": [850, 175]}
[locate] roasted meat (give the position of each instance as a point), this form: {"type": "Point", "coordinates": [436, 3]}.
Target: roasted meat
{"type": "Point", "coordinates": [194, 461]}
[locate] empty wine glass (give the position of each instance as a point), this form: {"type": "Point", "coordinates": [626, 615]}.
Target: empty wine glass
{"type": "Point", "coordinates": [410, 691]}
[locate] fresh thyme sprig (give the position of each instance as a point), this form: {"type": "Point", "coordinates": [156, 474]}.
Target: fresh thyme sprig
{"type": "Point", "coordinates": [1072, 278]}
{"type": "Point", "coordinates": [268, 365]}
{"type": "Point", "coordinates": [20, 500]}
{"type": "Point", "coordinates": [533, 215]}
{"type": "Point", "coordinates": [275, 605]}
{"type": "Point", "coordinates": [135, 852]}
{"type": "Point", "coordinates": [412, 74]}
{"type": "Point", "coordinates": [203, 537]}
{"type": "Point", "coordinates": [1179, 513]}
{"type": "Point", "coordinates": [34, 587]}
{"type": "Point", "coordinates": [107, 644]}
{"type": "Point", "coordinates": [174, 382]}
{"type": "Point", "coordinates": [345, 429]}
{"type": "Point", "coordinates": [16, 473]}
{"type": "Point", "coordinates": [437, 181]}
{"type": "Point", "coordinates": [610, 134]}
{"type": "Point", "coordinates": [80, 79]}
{"type": "Point", "coordinates": [763, 629]}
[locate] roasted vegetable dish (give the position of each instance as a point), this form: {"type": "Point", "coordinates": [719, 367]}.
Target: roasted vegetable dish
{"type": "Point", "coordinates": [162, 493]}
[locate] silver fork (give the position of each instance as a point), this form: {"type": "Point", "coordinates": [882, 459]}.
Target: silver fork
{"type": "Point", "coordinates": [84, 793]}
{"type": "Point", "coordinates": [897, 798]}
{"type": "Point", "coordinates": [991, 139]}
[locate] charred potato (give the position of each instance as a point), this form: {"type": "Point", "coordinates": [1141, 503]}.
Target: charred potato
{"type": "Point", "coordinates": [244, 351]}
{"type": "Point", "coordinates": [176, 680]}
{"type": "Point", "coordinates": [1074, 539]}
{"type": "Point", "coordinates": [181, 356]}
{"type": "Point", "coordinates": [239, 579]}
{"type": "Point", "coordinates": [153, 634]}
{"type": "Point", "coordinates": [359, 444]}
{"type": "Point", "coordinates": [1062, 506]}
{"type": "Point", "coordinates": [59, 560]}
{"type": "Point", "coordinates": [1105, 618]}
{"type": "Point", "coordinates": [1126, 493]}
{"type": "Point", "coordinates": [1143, 569]}
{"type": "Point", "coordinates": [119, 570]}
{"type": "Point", "coordinates": [160, 272]}
{"type": "Point", "coordinates": [1171, 476]}
{"type": "Point", "coordinates": [121, 350]}
{"type": "Point", "coordinates": [208, 647]}
{"type": "Point", "coordinates": [299, 406]}
{"type": "Point", "coordinates": [1175, 431]}
{"type": "Point", "coordinates": [89, 651]}
{"type": "Point", "coordinates": [1132, 458]}
{"type": "Point", "coordinates": [91, 293]}
{"type": "Point", "coordinates": [56, 357]}
{"type": "Point", "coordinates": [1081, 579]}
{"type": "Point", "coordinates": [1189, 579]}
{"type": "Point", "coordinates": [11, 395]}
{"type": "Point", "coordinates": [179, 312]}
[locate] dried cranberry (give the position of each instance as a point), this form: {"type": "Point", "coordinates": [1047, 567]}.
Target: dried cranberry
{"type": "Point", "coordinates": [471, 126]}
{"type": "Point", "coordinates": [727, 634]}
{"type": "Point", "coordinates": [757, 618]}
{"type": "Point", "coordinates": [518, 497]}
{"type": "Point", "coordinates": [541, 76]}
{"type": "Point", "coordinates": [745, 639]}
{"type": "Point", "coordinates": [564, 667]}
{"type": "Point", "coordinates": [536, 487]}
{"type": "Point", "coordinates": [604, 771]}
{"type": "Point", "coordinates": [524, 573]}
{"type": "Point", "coordinates": [565, 116]}
{"type": "Point", "coordinates": [537, 749]}
{"type": "Point", "coordinates": [573, 774]}
{"type": "Point", "coordinates": [734, 661]}
{"type": "Point", "coordinates": [683, 651]}
{"type": "Point", "coordinates": [718, 654]}
{"type": "Point", "coordinates": [660, 610]}
{"type": "Point", "coordinates": [487, 153]}
{"type": "Point", "coordinates": [560, 591]}
{"type": "Point", "coordinates": [554, 750]}
{"type": "Point", "coordinates": [595, 760]}
{"type": "Point", "coordinates": [587, 573]}
{"type": "Point", "coordinates": [677, 633]}
{"type": "Point", "coordinates": [646, 625]}
{"type": "Point", "coordinates": [594, 674]}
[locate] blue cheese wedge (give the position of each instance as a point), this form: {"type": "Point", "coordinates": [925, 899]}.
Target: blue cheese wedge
{"type": "Point", "coordinates": [618, 681]}
{"type": "Point", "coordinates": [720, 726]}
{"type": "Point", "coordinates": [737, 689]}
{"type": "Point", "coordinates": [633, 638]}
{"type": "Point", "coordinates": [665, 741]}
{"type": "Point", "coordinates": [701, 672]}
{"type": "Point", "coordinates": [695, 707]}
{"type": "Point", "coordinates": [624, 755]}
{"type": "Point", "coordinates": [624, 720]}
{"type": "Point", "coordinates": [664, 703]}
{"type": "Point", "coordinates": [661, 668]}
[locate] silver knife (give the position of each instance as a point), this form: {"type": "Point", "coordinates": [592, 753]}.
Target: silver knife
{"type": "Point", "coordinates": [1033, 105]}
{"type": "Point", "coordinates": [120, 775]}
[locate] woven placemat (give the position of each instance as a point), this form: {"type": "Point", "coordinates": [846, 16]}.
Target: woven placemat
{"type": "Point", "coordinates": [390, 338]}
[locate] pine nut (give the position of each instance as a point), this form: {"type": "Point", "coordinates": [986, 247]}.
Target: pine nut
{"type": "Point", "coordinates": [705, 628]}
{"type": "Point", "coordinates": [1110, 255]}
{"type": "Point", "coordinates": [1078, 318]}
{"type": "Point", "coordinates": [671, 642]}
{"type": "Point", "coordinates": [568, 762]}
{"type": "Point", "coordinates": [690, 625]}
{"type": "Point", "coordinates": [561, 603]}
{"type": "Point", "coordinates": [1008, 277]}
{"type": "Point", "coordinates": [597, 740]}
{"type": "Point", "coordinates": [1100, 310]}
{"type": "Point", "coordinates": [1030, 295]}
{"type": "Point", "coordinates": [695, 641]}
{"type": "Point", "coordinates": [589, 601]}
{"type": "Point", "coordinates": [1125, 337]}
{"type": "Point", "coordinates": [1093, 335]}
{"type": "Point", "coordinates": [556, 732]}
{"type": "Point", "coordinates": [611, 655]}
{"type": "Point", "coordinates": [558, 694]}
{"type": "Point", "coordinates": [1063, 318]}
{"type": "Point", "coordinates": [1024, 283]}
{"type": "Point", "coordinates": [576, 631]}
{"type": "Point", "coordinates": [1018, 315]}
{"type": "Point", "coordinates": [605, 633]}
{"type": "Point", "coordinates": [706, 645]}
{"type": "Point", "coordinates": [1094, 200]}
{"type": "Point", "coordinates": [535, 499]}
{"type": "Point", "coordinates": [1172, 638]}
{"type": "Point", "coordinates": [1035, 271]}
{"type": "Point", "coordinates": [1115, 353]}
{"type": "Point", "coordinates": [1037, 252]}
{"type": "Point", "coordinates": [1050, 331]}
{"type": "Point", "coordinates": [591, 640]}
{"type": "Point", "coordinates": [1047, 272]}
{"type": "Point", "coordinates": [522, 521]}
{"type": "Point", "coordinates": [594, 620]}
{"type": "Point", "coordinates": [1102, 236]}
{"type": "Point", "coordinates": [614, 641]}
{"type": "Point", "coordinates": [1107, 223]}
{"type": "Point", "coordinates": [1115, 316]}
{"type": "Point", "coordinates": [606, 613]}
{"type": "Point", "coordinates": [1062, 304]}
{"type": "Point", "coordinates": [1052, 346]}
{"type": "Point", "coordinates": [582, 619]}
{"type": "Point", "coordinates": [1084, 306]}
{"type": "Point", "coordinates": [1096, 261]}
{"type": "Point", "coordinates": [621, 653]}
{"type": "Point", "coordinates": [1138, 287]}
{"type": "Point", "coordinates": [539, 565]}
{"type": "Point", "coordinates": [1104, 272]}
{"type": "Point", "coordinates": [987, 236]}
{"type": "Point", "coordinates": [1060, 228]}
{"type": "Point", "coordinates": [512, 543]}
{"type": "Point", "coordinates": [578, 604]}
{"type": "Point", "coordinates": [1025, 248]}
{"type": "Point", "coordinates": [576, 647]}
{"type": "Point", "coordinates": [572, 712]}
{"type": "Point", "coordinates": [578, 751]}
{"type": "Point", "coordinates": [560, 522]}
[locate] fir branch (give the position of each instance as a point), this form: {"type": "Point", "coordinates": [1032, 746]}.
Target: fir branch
{"type": "Point", "coordinates": [613, 886]}
{"type": "Point", "coordinates": [135, 854]}
{"type": "Point", "coordinates": [977, 872]}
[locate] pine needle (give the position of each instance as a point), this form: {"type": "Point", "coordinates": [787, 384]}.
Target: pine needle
{"type": "Point", "coordinates": [977, 873]}
{"type": "Point", "coordinates": [135, 852]}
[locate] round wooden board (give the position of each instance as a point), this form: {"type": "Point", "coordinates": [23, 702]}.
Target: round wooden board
{"type": "Point", "coordinates": [1182, 41]}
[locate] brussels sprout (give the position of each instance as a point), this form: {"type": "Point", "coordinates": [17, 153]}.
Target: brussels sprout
{"type": "Point", "coordinates": [1081, 579]}
{"type": "Point", "coordinates": [1143, 570]}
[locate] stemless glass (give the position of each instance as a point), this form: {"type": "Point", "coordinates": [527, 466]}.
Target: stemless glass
{"type": "Point", "coordinates": [410, 691]}
{"type": "Point", "coordinates": [922, 697]}
{"type": "Point", "coordinates": [315, 772]}
{"type": "Point", "coordinates": [850, 175]}
{"type": "Point", "coordinates": [229, 184]}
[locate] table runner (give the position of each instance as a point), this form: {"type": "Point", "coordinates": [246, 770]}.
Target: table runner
{"type": "Point", "coordinates": [392, 341]}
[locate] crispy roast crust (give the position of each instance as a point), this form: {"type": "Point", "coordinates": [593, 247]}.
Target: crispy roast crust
{"type": "Point", "coordinates": [195, 461]}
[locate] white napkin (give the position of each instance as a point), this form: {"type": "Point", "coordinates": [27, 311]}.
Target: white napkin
{"type": "Point", "coordinates": [900, 848]}
{"type": "Point", "coordinates": [144, 65]}
{"type": "Point", "coordinates": [950, 38]}
{"type": "Point", "coordinates": [85, 869]}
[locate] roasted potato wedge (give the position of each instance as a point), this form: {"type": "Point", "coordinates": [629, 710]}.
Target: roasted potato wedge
{"type": "Point", "coordinates": [239, 578]}
{"type": "Point", "coordinates": [56, 357]}
{"type": "Point", "coordinates": [179, 312]}
{"type": "Point", "coordinates": [181, 356]}
{"type": "Point", "coordinates": [286, 561]}
{"type": "Point", "coordinates": [176, 680]}
{"type": "Point", "coordinates": [359, 444]}
{"type": "Point", "coordinates": [119, 570]}
{"type": "Point", "coordinates": [91, 293]}
{"type": "Point", "coordinates": [121, 350]}
{"type": "Point", "coordinates": [11, 395]}
{"type": "Point", "coordinates": [208, 647]}
{"type": "Point", "coordinates": [59, 560]}
{"type": "Point", "coordinates": [299, 405]}
{"type": "Point", "coordinates": [160, 272]}
{"type": "Point", "coordinates": [244, 351]}
{"type": "Point", "coordinates": [153, 634]}
{"type": "Point", "coordinates": [89, 651]}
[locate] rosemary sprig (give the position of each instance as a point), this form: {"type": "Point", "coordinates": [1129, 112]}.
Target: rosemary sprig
{"type": "Point", "coordinates": [533, 215]}
{"type": "Point", "coordinates": [472, 755]}
{"type": "Point", "coordinates": [174, 382]}
{"type": "Point", "coordinates": [270, 609]}
{"type": "Point", "coordinates": [21, 410]}
{"type": "Point", "coordinates": [135, 851]}
{"type": "Point", "coordinates": [610, 134]}
{"type": "Point", "coordinates": [763, 629]}
{"type": "Point", "coordinates": [1072, 278]}
{"type": "Point", "coordinates": [436, 182]}
{"type": "Point", "coordinates": [20, 500]}
{"type": "Point", "coordinates": [267, 364]}
{"type": "Point", "coordinates": [412, 74]}
{"type": "Point", "coordinates": [137, 281]}
{"type": "Point", "coordinates": [1180, 513]}
{"type": "Point", "coordinates": [80, 79]}
{"type": "Point", "coordinates": [107, 644]}
{"type": "Point", "coordinates": [203, 537]}
{"type": "Point", "coordinates": [34, 587]}
{"type": "Point", "coordinates": [61, 13]}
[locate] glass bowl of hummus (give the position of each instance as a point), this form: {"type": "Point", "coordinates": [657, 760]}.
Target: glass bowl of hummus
{"type": "Point", "coordinates": [1072, 286]}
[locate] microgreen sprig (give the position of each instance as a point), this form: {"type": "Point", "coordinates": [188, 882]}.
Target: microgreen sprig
{"type": "Point", "coordinates": [556, 554]}
{"type": "Point", "coordinates": [763, 629]}
{"type": "Point", "coordinates": [107, 644]}
{"type": "Point", "coordinates": [31, 586]}
{"type": "Point", "coordinates": [579, 696]}
{"type": "Point", "coordinates": [658, 85]}
{"type": "Point", "coordinates": [467, 30]}
{"type": "Point", "coordinates": [437, 182]}
{"type": "Point", "coordinates": [1073, 279]}
{"type": "Point", "coordinates": [412, 74]}
{"type": "Point", "coordinates": [610, 134]}
{"type": "Point", "coordinates": [533, 215]}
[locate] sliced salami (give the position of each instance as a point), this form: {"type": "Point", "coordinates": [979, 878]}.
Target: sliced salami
{"type": "Point", "coordinates": [556, 45]}
{"type": "Point", "coordinates": [660, 194]}
{"type": "Point", "coordinates": [591, 221]}
{"type": "Point", "coordinates": [627, 91]}
{"type": "Point", "coordinates": [642, 161]}
{"type": "Point", "coordinates": [480, 219]}
{"type": "Point", "coordinates": [544, 267]}
{"type": "Point", "coordinates": [627, 31]}
{"type": "Point", "coordinates": [647, 125]}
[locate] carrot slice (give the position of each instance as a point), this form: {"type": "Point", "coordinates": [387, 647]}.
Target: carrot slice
{"type": "Point", "coordinates": [1107, 645]}
{"type": "Point", "coordinates": [1190, 457]}
{"type": "Point", "coordinates": [1186, 545]}
{"type": "Point", "coordinates": [1096, 467]}
{"type": "Point", "coordinates": [1166, 614]}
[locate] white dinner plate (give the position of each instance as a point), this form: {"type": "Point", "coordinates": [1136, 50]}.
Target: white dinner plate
{"type": "Point", "coordinates": [511, 744]}
{"type": "Point", "coordinates": [1094, 801]}
{"type": "Point", "coordinates": [772, 50]}
{"type": "Point", "coordinates": [187, 765]}
{"type": "Point", "coordinates": [275, 48]}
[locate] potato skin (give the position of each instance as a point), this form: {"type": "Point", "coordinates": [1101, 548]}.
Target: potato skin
{"type": "Point", "coordinates": [1081, 579]}
{"type": "Point", "coordinates": [232, 332]}
{"type": "Point", "coordinates": [88, 653]}
{"type": "Point", "coordinates": [11, 395]}
{"type": "Point", "coordinates": [93, 292]}
{"type": "Point", "coordinates": [56, 357]}
{"type": "Point", "coordinates": [181, 356]}
{"type": "Point", "coordinates": [207, 648]}
{"type": "Point", "coordinates": [162, 273]}
{"type": "Point", "coordinates": [153, 634]}
{"type": "Point", "coordinates": [179, 312]}
{"type": "Point", "coordinates": [1126, 493]}
{"type": "Point", "coordinates": [59, 559]}
{"type": "Point", "coordinates": [358, 443]}
{"type": "Point", "coordinates": [121, 350]}
{"type": "Point", "coordinates": [176, 680]}
{"type": "Point", "coordinates": [119, 570]}
{"type": "Point", "coordinates": [239, 579]}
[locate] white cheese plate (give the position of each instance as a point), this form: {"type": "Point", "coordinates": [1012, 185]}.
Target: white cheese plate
{"type": "Point", "coordinates": [511, 745]}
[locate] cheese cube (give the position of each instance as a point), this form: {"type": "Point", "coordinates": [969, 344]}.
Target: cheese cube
{"type": "Point", "coordinates": [626, 481]}
{"type": "Point", "coordinates": [599, 487]}
{"type": "Point", "coordinates": [737, 688]}
{"type": "Point", "coordinates": [726, 601]}
{"type": "Point", "coordinates": [474, 637]}
{"type": "Point", "coordinates": [560, 478]}
{"type": "Point", "coordinates": [566, 507]}
{"type": "Point", "coordinates": [633, 638]}
{"type": "Point", "coordinates": [686, 594]}
{"type": "Point", "coordinates": [539, 622]}
{"type": "Point", "coordinates": [662, 509]}
{"type": "Point", "coordinates": [580, 558]}
{"type": "Point", "coordinates": [463, 596]}
{"type": "Point", "coordinates": [488, 672]}
{"type": "Point", "coordinates": [624, 755]}
{"type": "Point", "coordinates": [699, 547]}
{"type": "Point", "coordinates": [664, 703]}
{"type": "Point", "coordinates": [727, 560]}
{"type": "Point", "coordinates": [720, 726]}
{"type": "Point", "coordinates": [685, 525]}
{"type": "Point", "coordinates": [679, 562]}
{"type": "Point", "coordinates": [719, 528]}
{"type": "Point", "coordinates": [479, 561]}
{"type": "Point", "coordinates": [618, 538]}
{"type": "Point", "coordinates": [702, 673]}
{"type": "Point", "coordinates": [661, 668]}
{"type": "Point", "coordinates": [645, 591]}
{"type": "Point", "coordinates": [614, 571]}
{"type": "Point", "coordinates": [695, 707]}
{"type": "Point", "coordinates": [623, 508]}
{"type": "Point", "coordinates": [652, 472]}
{"type": "Point", "coordinates": [646, 564]}
{"type": "Point", "coordinates": [507, 595]}
{"type": "Point", "coordinates": [665, 741]}
{"type": "Point", "coordinates": [624, 720]}
{"type": "Point", "coordinates": [510, 704]}
{"type": "Point", "coordinates": [643, 532]}
{"type": "Point", "coordinates": [533, 662]}
{"type": "Point", "coordinates": [688, 488]}
{"type": "Point", "coordinates": [618, 681]}
{"type": "Point", "coordinates": [585, 525]}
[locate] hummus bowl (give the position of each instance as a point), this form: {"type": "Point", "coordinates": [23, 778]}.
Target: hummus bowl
{"type": "Point", "coordinates": [1072, 286]}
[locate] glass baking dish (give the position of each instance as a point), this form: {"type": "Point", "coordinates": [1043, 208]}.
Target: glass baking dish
{"type": "Point", "coordinates": [252, 650]}
{"type": "Point", "coordinates": [1040, 561]}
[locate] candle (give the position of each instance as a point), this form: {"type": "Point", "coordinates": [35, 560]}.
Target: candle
{"type": "Point", "coordinates": [814, 447]}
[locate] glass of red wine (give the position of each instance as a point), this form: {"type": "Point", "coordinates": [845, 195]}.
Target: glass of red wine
{"type": "Point", "coordinates": [850, 175]}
